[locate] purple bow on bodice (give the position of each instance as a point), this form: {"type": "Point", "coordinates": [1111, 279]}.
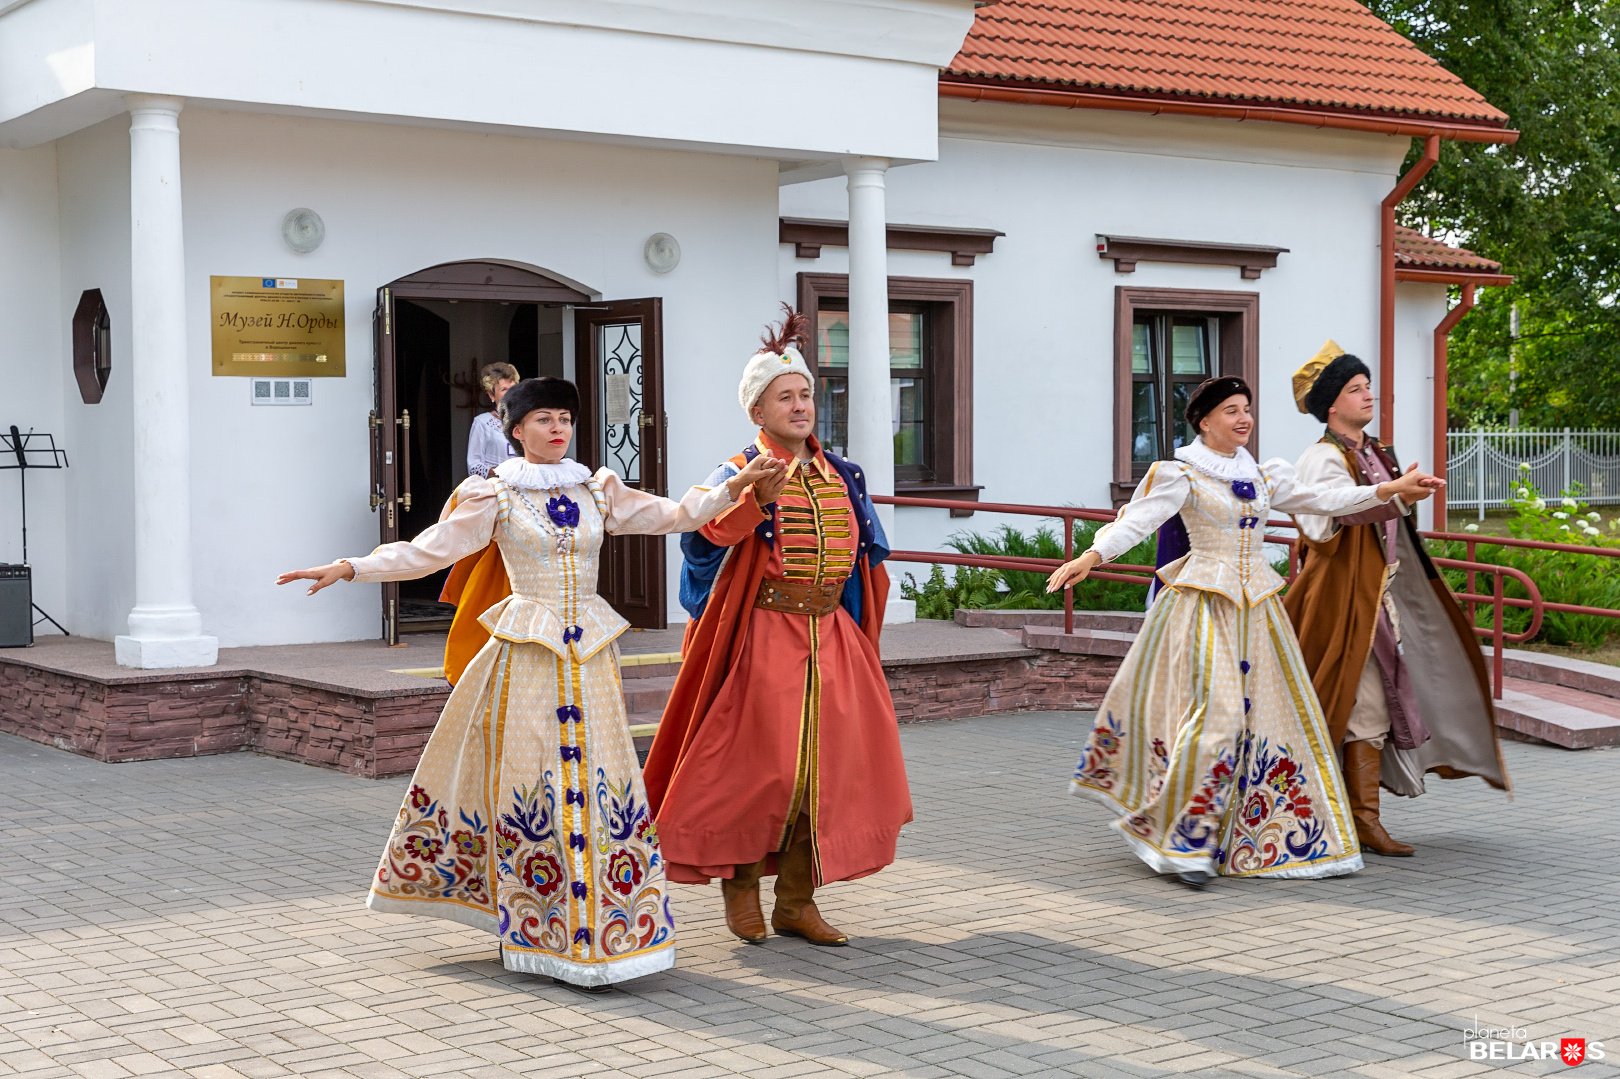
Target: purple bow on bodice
{"type": "Point", "coordinates": [563, 511]}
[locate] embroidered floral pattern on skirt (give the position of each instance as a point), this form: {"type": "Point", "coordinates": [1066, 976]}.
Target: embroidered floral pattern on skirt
{"type": "Point", "coordinates": [1211, 747]}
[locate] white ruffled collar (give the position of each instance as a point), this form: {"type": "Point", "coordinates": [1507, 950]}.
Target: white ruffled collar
{"type": "Point", "coordinates": [1240, 466]}
{"type": "Point", "coordinates": [525, 474]}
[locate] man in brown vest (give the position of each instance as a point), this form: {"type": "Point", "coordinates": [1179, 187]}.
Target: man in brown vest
{"type": "Point", "coordinates": [1391, 654]}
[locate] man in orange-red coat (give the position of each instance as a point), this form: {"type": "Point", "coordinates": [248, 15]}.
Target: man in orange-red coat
{"type": "Point", "coordinates": [779, 750]}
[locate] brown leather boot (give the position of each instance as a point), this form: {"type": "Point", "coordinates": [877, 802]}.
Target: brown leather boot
{"type": "Point", "coordinates": [743, 916]}
{"type": "Point", "coordinates": [795, 914]}
{"type": "Point", "coordinates": [1362, 765]}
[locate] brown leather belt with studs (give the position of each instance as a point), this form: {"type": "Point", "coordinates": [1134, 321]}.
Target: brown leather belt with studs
{"type": "Point", "coordinates": [799, 597]}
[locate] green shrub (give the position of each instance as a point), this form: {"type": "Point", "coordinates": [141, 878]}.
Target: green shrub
{"type": "Point", "coordinates": [940, 595]}
{"type": "Point", "coordinates": [1562, 576]}
{"type": "Point", "coordinates": [1021, 589]}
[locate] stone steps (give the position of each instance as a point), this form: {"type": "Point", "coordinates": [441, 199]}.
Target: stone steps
{"type": "Point", "coordinates": [1565, 702]}
{"type": "Point", "coordinates": [1016, 622]}
{"type": "Point", "coordinates": [1086, 642]}
{"type": "Point", "coordinates": [1556, 714]}
{"type": "Point", "coordinates": [647, 695]}
{"type": "Point", "coordinates": [1599, 679]}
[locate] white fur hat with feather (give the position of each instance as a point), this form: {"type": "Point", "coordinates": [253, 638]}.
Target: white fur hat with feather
{"type": "Point", "coordinates": [779, 355]}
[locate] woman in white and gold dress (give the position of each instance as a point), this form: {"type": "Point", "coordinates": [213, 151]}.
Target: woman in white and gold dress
{"type": "Point", "coordinates": [1210, 743]}
{"type": "Point", "coordinates": [526, 815]}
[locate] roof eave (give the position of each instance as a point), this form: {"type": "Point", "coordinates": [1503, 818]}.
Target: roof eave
{"type": "Point", "coordinates": [1440, 276]}
{"type": "Point", "coordinates": [1454, 130]}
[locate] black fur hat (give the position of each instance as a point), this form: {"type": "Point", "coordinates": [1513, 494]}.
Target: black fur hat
{"type": "Point", "coordinates": [533, 393]}
{"type": "Point", "coordinates": [1210, 393]}
{"type": "Point", "coordinates": [1331, 382]}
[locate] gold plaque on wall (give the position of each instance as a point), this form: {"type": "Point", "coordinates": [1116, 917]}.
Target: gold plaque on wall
{"type": "Point", "coordinates": [277, 326]}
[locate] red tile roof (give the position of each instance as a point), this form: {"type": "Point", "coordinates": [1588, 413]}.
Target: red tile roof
{"type": "Point", "coordinates": [1330, 56]}
{"type": "Point", "coordinates": [1415, 251]}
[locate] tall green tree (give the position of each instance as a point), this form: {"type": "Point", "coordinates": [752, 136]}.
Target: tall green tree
{"type": "Point", "coordinates": [1547, 207]}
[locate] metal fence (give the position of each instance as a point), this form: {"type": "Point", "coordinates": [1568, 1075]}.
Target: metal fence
{"type": "Point", "coordinates": [1472, 595]}
{"type": "Point", "coordinates": [1482, 467]}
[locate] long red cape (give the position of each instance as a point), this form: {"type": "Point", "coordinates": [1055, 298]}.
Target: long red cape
{"type": "Point", "coordinates": [712, 644]}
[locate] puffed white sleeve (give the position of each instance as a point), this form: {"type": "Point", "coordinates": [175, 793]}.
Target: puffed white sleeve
{"type": "Point", "coordinates": [1290, 494]}
{"type": "Point", "coordinates": [636, 513]}
{"type": "Point", "coordinates": [1322, 468]}
{"type": "Point", "coordinates": [466, 525]}
{"type": "Point", "coordinates": [1159, 497]}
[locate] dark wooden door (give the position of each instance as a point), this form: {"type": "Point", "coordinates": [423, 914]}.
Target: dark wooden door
{"type": "Point", "coordinates": [619, 349]}
{"type": "Point", "coordinates": [386, 424]}
{"type": "Point", "coordinates": [422, 388]}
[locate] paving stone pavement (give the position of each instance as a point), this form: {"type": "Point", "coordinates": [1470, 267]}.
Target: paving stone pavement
{"type": "Point", "coordinates": [205, 917]}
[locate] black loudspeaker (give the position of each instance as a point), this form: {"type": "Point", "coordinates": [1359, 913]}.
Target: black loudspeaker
{"type": "Point", "coordinates": [16, 607]}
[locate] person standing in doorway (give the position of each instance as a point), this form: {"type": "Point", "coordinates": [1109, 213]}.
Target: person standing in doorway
{"type": "Point", "coordinates": [487, 444]}
{"type": "Point", "coordinates": [1392, 657]}
{"type": "Point", "coordinates": [779, 751]}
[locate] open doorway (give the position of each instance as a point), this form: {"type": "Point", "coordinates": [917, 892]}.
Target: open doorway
{"type": "Point", "coordinates": [435, 330]}
{"type": "Point", "coordinates": [440, 346]}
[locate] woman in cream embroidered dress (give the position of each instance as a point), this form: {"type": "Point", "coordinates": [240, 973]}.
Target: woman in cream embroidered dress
{"type": "Point", "coordinates": [1210, 743]}
{"type": "Point", "coordinates": [527, 816]}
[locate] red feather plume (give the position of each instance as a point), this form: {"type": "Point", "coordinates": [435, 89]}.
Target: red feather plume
{"type": "Point", "coordinates": [794, 330]}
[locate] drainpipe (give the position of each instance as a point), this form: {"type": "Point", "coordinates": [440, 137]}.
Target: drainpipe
{"type": "Point", "coordinates": [1442, 345]}
{"type": "Point", "coordinates": [1386, 283]}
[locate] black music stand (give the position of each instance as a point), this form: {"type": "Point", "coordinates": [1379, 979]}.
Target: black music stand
{"type": "Point", "coordinates": [25, 452]}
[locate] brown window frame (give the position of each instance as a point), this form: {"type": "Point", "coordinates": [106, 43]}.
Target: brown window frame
{"type": "Point", "coordinates": [1238, 315]}
{"type": "Point", "coordinates": [948, 353]}
{"type": "Point", "coordinates": [1161, 333]}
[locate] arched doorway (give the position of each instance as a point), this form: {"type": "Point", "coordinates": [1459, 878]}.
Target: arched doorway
{"type": "Point", "coordinates": [434, 330]}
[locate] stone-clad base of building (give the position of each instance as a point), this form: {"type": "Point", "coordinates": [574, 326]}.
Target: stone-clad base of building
{"type": "Point", "coordinates": [188, 715]}
{"type": "Point", "coordinates": [337, 705]}
{"type": "Point", "coordinates": [1046, 681]}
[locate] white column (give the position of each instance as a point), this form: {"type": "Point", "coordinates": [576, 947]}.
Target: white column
{"type": "Point", "coordinates": [871, 410]}
{"type": "Point", "coordinates": [165, 627]}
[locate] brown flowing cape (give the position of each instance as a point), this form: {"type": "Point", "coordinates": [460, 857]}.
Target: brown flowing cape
{"type": "Point", "coordinates": [1334, 604]}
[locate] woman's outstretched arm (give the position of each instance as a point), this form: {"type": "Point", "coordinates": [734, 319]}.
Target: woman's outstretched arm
{"type": "Point", "coordinates": [467, 524]}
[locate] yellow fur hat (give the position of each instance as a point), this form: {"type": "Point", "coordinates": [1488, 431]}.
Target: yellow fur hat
{"type": "Point", "coordinates": [1318, 384]}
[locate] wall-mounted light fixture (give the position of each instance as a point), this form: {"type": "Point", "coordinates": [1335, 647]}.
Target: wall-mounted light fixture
{"type": "Point", "coordinates": [662, 252]}
{"type": "Point", "coordinates": [303, 230]}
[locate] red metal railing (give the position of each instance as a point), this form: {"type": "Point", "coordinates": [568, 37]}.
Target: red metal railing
{"type": "Point", "coordinates": [1471, 540]}
{"type": "Point", "coordinates": [1471, 596]}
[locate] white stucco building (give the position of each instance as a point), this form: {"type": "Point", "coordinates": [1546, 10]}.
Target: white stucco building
{"type": "Point", "coordinates": [1251, 145]}
{"type": "Point", "coordinates": [498, 180]}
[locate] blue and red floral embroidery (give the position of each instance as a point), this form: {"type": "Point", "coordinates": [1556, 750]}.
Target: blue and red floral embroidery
{"type": "Point", "coordinates": [429, 859]}
{"type": "Point", "coordinates": [423, 862]}
{"type": "Point", "coordinates": [634, 909]}
{"type": "Point", "coordinates": [1200, 821]}
{"type": "Point", "coordinates": [1277, 824]}
{"type": "Point", "coordinates": [1096, 761]}
{"type": "Point", "coordinates": [529, 861]}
